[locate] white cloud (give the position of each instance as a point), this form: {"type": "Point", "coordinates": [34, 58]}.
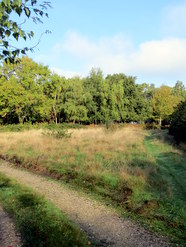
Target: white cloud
{"type": "Point", "coordinates": [66, 73]}
{"type": "Point", "coordinates": [161, 56]}
{"type": "Point", "coordinates": [83, 47]}
{"type": "Point", "coordinates": [160, 60]}
{"type": "Point", "coordinates": [174, 19]}
{"type": "Point", "coordinates": [107, 53]}
{"type": "Point", "coordinates": [115, 54]}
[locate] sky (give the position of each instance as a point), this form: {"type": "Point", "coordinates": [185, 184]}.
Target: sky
{"type": "Point", "coordinates": [142, 38]}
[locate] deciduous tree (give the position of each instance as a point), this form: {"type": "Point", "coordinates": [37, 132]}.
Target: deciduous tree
{"type": "Point", "coordinates": [163, 103]}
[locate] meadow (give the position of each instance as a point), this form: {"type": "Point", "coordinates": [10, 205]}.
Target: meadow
{"type": "Point", "coordinates": [137, 171]}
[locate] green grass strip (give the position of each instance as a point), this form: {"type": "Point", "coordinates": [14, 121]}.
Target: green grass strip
{"type": "Point", "coordinates": [39, 222]}
{"type": "Point", "coordinates": [172, 170]}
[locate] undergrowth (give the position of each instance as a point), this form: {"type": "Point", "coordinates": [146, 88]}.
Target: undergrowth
{"type": "Point", "coordinates": [36, 126]}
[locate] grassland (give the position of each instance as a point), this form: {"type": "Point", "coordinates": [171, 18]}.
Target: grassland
{"type": "Point", "coordinates": [134, 169]}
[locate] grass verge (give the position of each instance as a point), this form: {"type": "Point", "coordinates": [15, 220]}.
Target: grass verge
{"type": "Point", "coordinates": [38, 221]}
{"type": "Point", "coordinates": [169, 185]}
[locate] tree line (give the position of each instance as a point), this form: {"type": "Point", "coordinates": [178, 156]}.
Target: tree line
{"type": "Point", "coordinates": [30, 92]}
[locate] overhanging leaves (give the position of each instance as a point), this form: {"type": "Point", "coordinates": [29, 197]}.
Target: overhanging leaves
{"type": "Point", "coordinates": [10, 28]}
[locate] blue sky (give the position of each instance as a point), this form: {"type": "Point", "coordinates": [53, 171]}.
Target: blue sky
{"type": "Point", "coordinates": [142, 38]}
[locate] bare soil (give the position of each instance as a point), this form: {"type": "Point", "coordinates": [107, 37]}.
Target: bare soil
{"type": "Point", "coordinates": [9, 237]}
{"type": "Point", "coordinates": [102, 225]}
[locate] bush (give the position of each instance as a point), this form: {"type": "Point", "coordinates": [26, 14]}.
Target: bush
{"type": "Point", "coordinates": [178, 123]}
{"type": "Point", "coordinates": [58, 133]}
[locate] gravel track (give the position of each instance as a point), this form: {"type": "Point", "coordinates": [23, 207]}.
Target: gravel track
{"type": "Point", "coordinates": [103, 226]}
{"type": "Point", "coordinates": [9, 237]}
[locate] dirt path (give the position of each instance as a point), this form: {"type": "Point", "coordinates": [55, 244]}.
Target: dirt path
{"type": "Point", "coordinates": [8, 235]}
{"type": "Point", "coordinates": [102, 226]}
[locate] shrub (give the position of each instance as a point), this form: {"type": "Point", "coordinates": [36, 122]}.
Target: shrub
{"type": "Point", "coordinates": [58, 133]}
{"type": "Point", "coordinates": [178, 123]}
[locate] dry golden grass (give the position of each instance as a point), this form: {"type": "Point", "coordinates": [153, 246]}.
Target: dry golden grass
{"type": "Point", "coordinates": [95, 140]}
{"type": "Point", "coordinates": [117, 148]}
{"type": "Point", "coordinates": [88, 141]}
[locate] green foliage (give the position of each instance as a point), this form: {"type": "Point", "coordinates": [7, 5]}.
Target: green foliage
{"type": "Point", "coordinates": [21, 95]}
{"type": "Point", "coordinates": [39, 222]}
{"type": "Point", "coordinates": [178, 123]}
{"type": "Point", "coordinates": [163, 102]}
{"type": "Point", "coordinates": [94, 85]}
{"type": "Point", "coordinates": [44, 126]}
{"type": "Point", "coordinates": [179, 90]}
{"type": "Point", "coordinates": [30, 92]}
{"type": "Point", "coordinates": [11, 29]}
{"type": "Point", "coordinates": [14, 127]}
{"type": "Point", "coordinates": [74, 107]}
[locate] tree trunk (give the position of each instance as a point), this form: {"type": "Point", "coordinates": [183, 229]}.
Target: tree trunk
{"type": "Point", "coordinates": [160, 120]}
{"type": "Point", "coordinates": [55, 116]}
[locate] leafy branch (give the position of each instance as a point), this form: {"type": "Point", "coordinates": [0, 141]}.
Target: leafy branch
{"type": "Point", "coordinates": [11, 30]}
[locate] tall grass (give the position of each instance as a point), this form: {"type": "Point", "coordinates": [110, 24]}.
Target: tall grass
{"type": "Point", "coordinates": [119, 164]}
{"type": "Point", "coordinates": [93, 158]}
